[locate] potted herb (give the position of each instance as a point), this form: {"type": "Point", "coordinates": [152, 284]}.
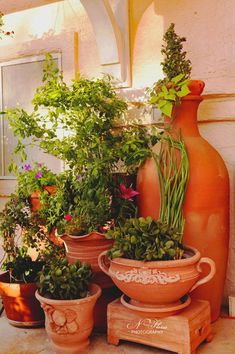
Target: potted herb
{"type": "Point", "coordinates": [150, 265]}
{"type": "Point", "coordinates": [94, 149]}
{"type": "Point", "coordinates": [33, 180]}
{"type": "Point", "coordinates": [148, 260]}
{"type": "Point", "coordinates": [68, 300]}
{"type": "Point", "coordinates": [168, 92]}
{"type": "Point", "coordinates": [208, 186]}
{"type": "Point", "coordinates": [20, 232]}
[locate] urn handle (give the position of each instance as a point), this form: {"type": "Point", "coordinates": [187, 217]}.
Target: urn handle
{"type": "Point", "coordinates": [104, 262]}
{"type": "Point", "coordinates": [208, 276]}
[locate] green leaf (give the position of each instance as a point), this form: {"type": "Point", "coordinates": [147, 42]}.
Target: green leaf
{"type": "Point", "coordinates": [178, 78]}
{"type": "Point", "coordinates": [167, 109]}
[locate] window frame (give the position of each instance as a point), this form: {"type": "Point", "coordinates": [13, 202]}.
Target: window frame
{"type": "Point", "coordinates": [22, 60]}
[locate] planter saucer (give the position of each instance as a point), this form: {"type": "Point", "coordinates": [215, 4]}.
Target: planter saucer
{"type": "Point", "coordinates": [160, 311]}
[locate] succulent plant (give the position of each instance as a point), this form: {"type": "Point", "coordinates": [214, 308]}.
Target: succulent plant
{"type": "Point", "coordinates": [63, 281]}
{"type": "Point", "coordinates": [145, 239]}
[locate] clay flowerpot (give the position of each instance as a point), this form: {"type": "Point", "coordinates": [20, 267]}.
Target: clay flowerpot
{"type": "Point", "coordinates": [86, 248]}
{"type": "Point", "coordinates": [206, 205]}
{"type": "Point", "coordinates": [157, 284]}
{"type": "Point", "coordinates": [21, 307]}
{"type": "Point", "coordinates": [69, 322]}
{"type": "Point", "coordinates": [34, 198]}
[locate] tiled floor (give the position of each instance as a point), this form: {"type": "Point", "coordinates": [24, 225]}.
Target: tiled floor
{"type": "Point", "coordinates": [34, 341]}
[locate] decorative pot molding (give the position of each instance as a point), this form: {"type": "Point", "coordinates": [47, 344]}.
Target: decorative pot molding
{"type": "Point", "coordinates": [145, 276]}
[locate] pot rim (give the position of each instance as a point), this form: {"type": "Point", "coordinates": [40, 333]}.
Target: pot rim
{"type": "Point", "coordinates": [95, 293]}
{"type": "Point", "coordinates": [93, 235]}
{"type": "Point", "coordinates": [17, 283]}
{"type": "Point", "coordinates": [161, 264]}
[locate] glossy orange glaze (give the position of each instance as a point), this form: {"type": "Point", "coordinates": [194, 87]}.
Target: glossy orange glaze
{"type": "Point", "coordinates": [206, 207]}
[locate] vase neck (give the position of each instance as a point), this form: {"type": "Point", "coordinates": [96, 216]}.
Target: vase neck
{"type": "Point", "coordinates": [186, 116]}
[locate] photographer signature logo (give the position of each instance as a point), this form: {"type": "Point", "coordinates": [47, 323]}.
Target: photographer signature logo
{"type": "Point", "coordinates": [146, 326]}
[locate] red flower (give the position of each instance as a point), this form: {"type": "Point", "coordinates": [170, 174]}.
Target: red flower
{"type": "Point", "coordinates": [68, 217]}
{"type": "Point", "coordinates": [127, 192]}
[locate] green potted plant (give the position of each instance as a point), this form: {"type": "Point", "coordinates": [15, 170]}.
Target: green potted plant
{"type": "Point", "coordinates": [148, 260]}
{"type": "Point", "coordinates": [168, 92]}
{"type": "Point", "coordinates": [33, 180]}
{"type": "Point", "coordinates": [26, 243]}
{"type": "Point", "coordinates": [68, 300]}
{"type": "Point", "coordinates": [20, 232]}
{"type": "Point", "coordinates": [208, 172]}
{"type": "Point", "coordinates": [94, 148]}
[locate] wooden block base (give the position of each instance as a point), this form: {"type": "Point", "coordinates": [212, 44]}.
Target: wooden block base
{"type": "Point", "coordinates": [181, 333]}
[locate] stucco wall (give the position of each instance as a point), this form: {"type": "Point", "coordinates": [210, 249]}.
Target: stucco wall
{"type": "Point", "coordinates": [210, 30]}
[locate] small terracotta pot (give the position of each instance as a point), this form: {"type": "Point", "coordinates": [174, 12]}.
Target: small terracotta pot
{"type": "Point", "coordinates": [69, 322]}
{"type": "Point", "coordinates": [21, 307]}
{"type": "Point", "coordinates": [86, 248]}
{"type": "Point", "coordinates": [157, 283]}
{"type": "Point", "coordinates": [34, 198]}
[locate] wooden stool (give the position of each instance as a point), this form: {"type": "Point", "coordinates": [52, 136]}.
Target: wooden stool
{"type": "Point", "coordinates": [181, 333]}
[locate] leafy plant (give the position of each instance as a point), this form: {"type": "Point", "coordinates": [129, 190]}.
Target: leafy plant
{"type": "Point", "coordinates": [92, 146]}
{"type": "Point", "coordinates": [34, 178]}
{"type": "Point", "coordinates": [79, 206]}
{"type": "Point", "coordinates": [22, 269]}
{"type": "Point", "coordinates": [21, 230]}
{"type": "Point", "coordinates": [174, 57]}
{"type": "Point", "coordinates": [62, 281]}
{"type": "Point", "coordinates": [146, 240]}
{"type": "Point", "coordinates": [166, 93]}
{"type": "Point", "coordinates": [166, 96]}
{"type": "Point", "coordinates": [173, 174]}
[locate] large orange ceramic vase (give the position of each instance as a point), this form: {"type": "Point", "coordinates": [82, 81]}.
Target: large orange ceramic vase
{"type": "Point", "coordinates": [206, 207]}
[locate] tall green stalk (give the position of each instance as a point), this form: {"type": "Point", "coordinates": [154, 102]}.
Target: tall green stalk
{"type": "Point", "coordinates": [173, 175]}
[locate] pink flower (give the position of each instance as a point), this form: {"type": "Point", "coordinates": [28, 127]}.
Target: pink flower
{"type": "Point", "coordinates": [68, 217]}
{"type": "Point", "coordinates": [127, 192]}
{"type": "Point", "coordinates": [27, 167]}
{"type": "Point", "coordinates": [102, 229]}
{"type": "Point", "coordinates": [38, 175]}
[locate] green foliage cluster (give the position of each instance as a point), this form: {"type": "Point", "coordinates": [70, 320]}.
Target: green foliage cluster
{"type": "Point", "coordinates": [62, 281]}
{"type": "Point", "coordinates": [165, 96]}
{"type": "Point", "coordinates": [33, 178]}
{"type": "Point", "coordinates": [20, 229]}
{"type": "Point", "coordinates": [87, 111]}
{"type": "Point", "coordinates": [22, 269]}
{"type": "Point", "coordinates": [173, 175]}
{"type": "Point", "coordinates": [166, 93]}
{"type": "Point", "coordinates": [91, 146]}
{"type": "Point", "coordinates": [146, 240]}
{"type": "Point", "coordinates": [174, 57]}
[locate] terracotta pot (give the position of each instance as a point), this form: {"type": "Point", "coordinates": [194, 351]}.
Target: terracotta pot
{"type": "Point", "coordinates": [21, 307]}
{"type": "Point", "coordinates": [34, 198]}
{"type": "Point", "coordinates": [69, 322]}
{"type": "Point", "coordinates": [86, 248]}
{"type": "Point", "coordinates": [206, 207]}
{"type": "Point", "coordinates": [157, 283]}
